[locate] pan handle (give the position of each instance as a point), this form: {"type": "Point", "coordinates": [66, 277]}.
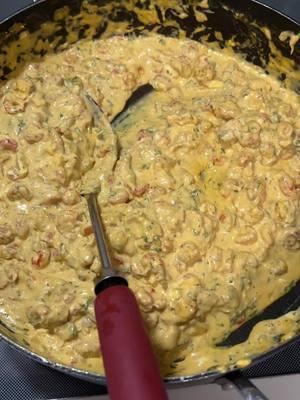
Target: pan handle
{"type": "Point", "coordinates": [245, 387]}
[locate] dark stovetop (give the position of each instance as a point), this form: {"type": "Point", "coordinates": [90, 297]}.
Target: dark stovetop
{"type": "Point", "coordinates": [22, 378]}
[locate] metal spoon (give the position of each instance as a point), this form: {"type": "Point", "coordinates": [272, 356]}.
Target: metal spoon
{"type": "Point", "coordinates": [131, 368]}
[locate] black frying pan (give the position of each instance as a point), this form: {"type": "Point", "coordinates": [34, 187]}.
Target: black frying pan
{"type": "Point", "coordinates": [233, 18]}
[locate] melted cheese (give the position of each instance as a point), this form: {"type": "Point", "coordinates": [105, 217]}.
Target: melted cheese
{"type": "Point", "coordinates": [199, 196]}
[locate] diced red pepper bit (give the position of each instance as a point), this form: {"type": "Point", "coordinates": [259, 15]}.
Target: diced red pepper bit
{"type": "Point", "coordinates": [222, 217]}
{"type": "Point", "coordinates": [8, 144]}
{"type": "Point", "coordinates": [87, 231]}
{"type": "Point", "coordinates": [36, 260]}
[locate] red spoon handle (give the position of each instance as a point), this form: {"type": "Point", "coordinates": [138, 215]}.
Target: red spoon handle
{"type": "Point", "coordinates": [130, 365]}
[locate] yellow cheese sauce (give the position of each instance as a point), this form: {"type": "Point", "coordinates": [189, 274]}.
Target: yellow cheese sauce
{"type": "Point", "coordinates": [199, 197]}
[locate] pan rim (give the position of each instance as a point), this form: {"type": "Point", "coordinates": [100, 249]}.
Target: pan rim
{"type": "Point", "coordinates": [201, 378]}
{"type": "Point", "coordinates": [93, 377]}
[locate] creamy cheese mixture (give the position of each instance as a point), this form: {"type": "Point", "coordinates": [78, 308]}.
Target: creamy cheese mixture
{"type": "Point", "coordinates": [199, 196]}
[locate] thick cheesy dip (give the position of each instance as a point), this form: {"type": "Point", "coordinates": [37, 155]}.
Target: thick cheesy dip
{"type": "Point", "coordinates": [199, 196]}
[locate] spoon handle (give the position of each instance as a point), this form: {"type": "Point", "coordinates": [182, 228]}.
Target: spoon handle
{"type": "Point", "coordinates": [130, 365]}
